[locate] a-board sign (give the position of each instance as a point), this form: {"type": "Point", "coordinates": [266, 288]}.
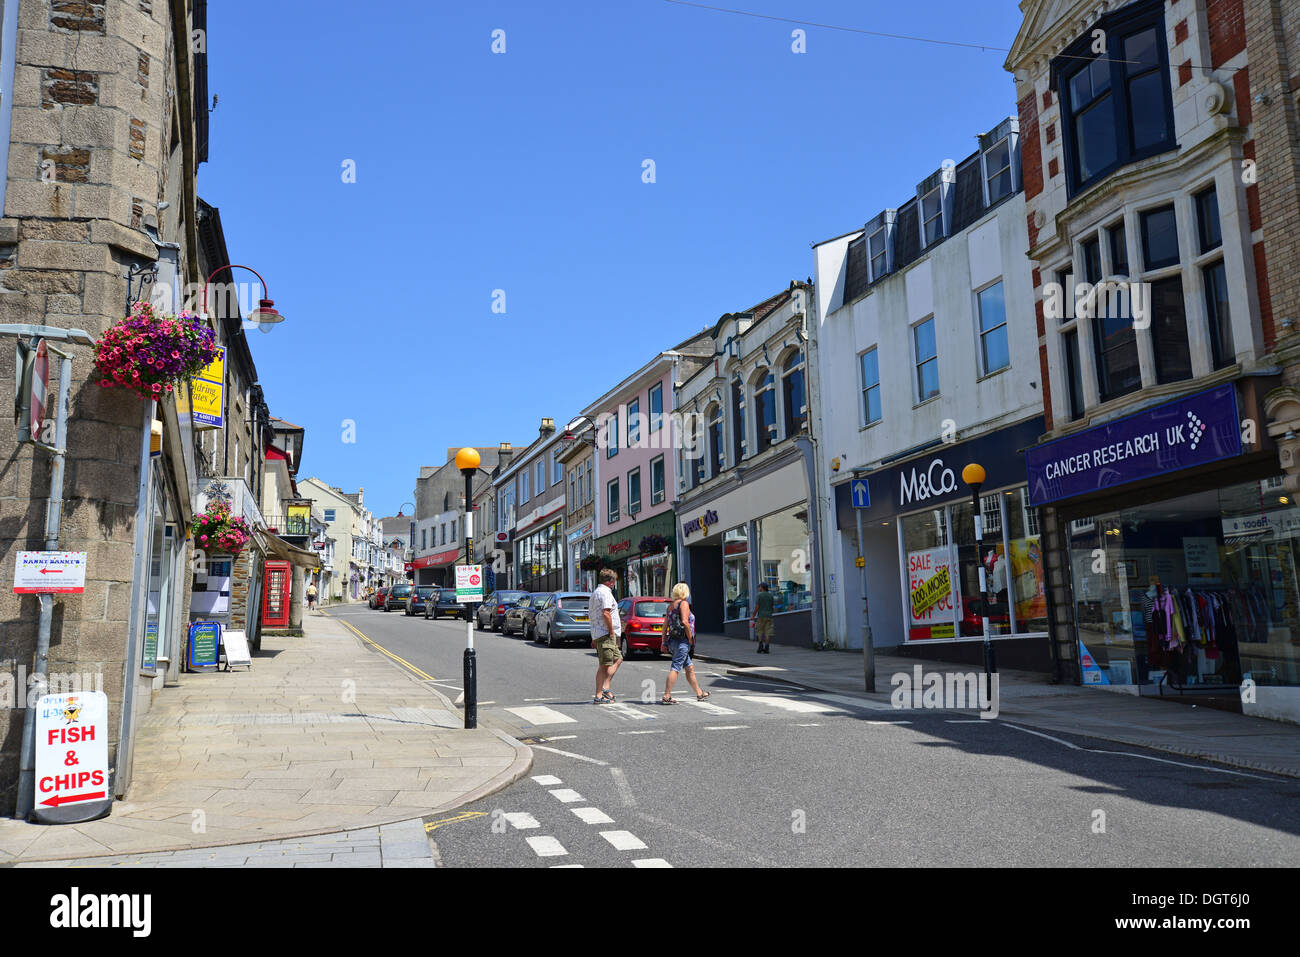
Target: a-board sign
{"type": "Point", "coordinates": [205, 636]}
{"type": "Point", "coordinates": [72, 758]}
{"type": "Point", "coordinates": [469, 583]}
{"type": "Point", "coordinates": [61, 572]}
{"type": "Point", "coordinates": [236, 645]}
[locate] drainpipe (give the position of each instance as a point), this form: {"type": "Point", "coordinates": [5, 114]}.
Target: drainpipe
{"type": "Point", "coordinates": [805, 446]}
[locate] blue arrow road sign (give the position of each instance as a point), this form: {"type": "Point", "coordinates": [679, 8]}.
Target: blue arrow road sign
{"type": "Point", "coordinates": [861, 498]}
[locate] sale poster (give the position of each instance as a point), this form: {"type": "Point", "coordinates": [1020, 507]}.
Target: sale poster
{"type": "Point", "coordinates": [929, 589]}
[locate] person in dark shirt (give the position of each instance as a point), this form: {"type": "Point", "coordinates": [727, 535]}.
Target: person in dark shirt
{"type": "Point", "coordinates": [762, 619]}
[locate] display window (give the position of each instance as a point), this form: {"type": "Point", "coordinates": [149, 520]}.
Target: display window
{"type": "Point", "coordinates": [735, 573]}
{"type": "Point", "coordinates": [1196, 592]}
{"type": "Point", "coordinates": [941, 570]}
{"type": "Point", "coordinates": [783, 556]}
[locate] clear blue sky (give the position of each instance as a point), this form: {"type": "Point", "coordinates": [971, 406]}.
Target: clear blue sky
{"type": "Point", "coordinates": [522, 171]}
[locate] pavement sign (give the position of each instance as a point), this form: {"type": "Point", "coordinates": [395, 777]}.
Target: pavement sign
{"type": "Point", "coordinates": [236, 645]}
{"type": "Point", "coordinates": [72, 758]}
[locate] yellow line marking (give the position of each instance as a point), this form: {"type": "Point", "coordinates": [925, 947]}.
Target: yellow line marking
{"type": "Point", "coordinates": [463, 816]}
{"type": "Point", "coordinates": [400, 660]}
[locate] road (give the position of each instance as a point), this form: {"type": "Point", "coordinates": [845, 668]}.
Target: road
{"type": "Point", "coordinates": [769, 774]}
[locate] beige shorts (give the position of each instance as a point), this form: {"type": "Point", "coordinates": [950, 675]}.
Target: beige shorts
{"type": "Point", "coordinates": [763, 627]}
{"type": "Point", "coordinates": [607, 650]}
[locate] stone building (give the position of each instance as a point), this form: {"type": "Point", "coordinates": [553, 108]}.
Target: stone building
{"type": "Point", "coordinates": [104, 127]}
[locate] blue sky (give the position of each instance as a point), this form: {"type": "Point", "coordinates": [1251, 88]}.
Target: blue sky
{"type": "Point", "coordinates": [522, 172]}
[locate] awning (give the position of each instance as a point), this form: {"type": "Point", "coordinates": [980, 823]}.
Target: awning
{"type": "Point", "coordinates": [437, 560]}
{"type": "Point", "coordinates": [275, 545]}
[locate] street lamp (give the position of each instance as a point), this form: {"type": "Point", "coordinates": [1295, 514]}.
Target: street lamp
{"type": "Point", "coordinates": [410, 545]}
{"type": "Point", "coordinates": [467, 461]}
{"type": "Point", "coordinates": [265, 314]}
{"type": "Point", "coordinates": [974, 475]}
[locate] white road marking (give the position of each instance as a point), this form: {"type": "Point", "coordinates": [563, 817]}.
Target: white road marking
{"type": "Point", "coordinates": [651, 862]}
{"type": "Point", "coordinates": [542, 699]}
{"type": "Point", "coordinates": [623, 840]}
{"type": "Point", "coordinates": [965, 721]}
{"type": "Point", "coordinates": [542, 715]}
{"type": "Point", "coordinates": [547, 780]}
{"type": "Point", "coordinates": [724, 727]}
{"type": "Point", "coordinates": [592, 815]}
{"type": "Point", "coordinates": [570, 754]}
{"type": "Point", "coordinates": [709, 706]}
{"type": "Point", "coordinates": [521, 820]}
{"type": "Point", "coordinates": [546, 846]}
{"type": "Point", "coordinates": [817, 724]}
{"type": "Point", "coordinates": [789, 704]}
{"type": "Point", "coordinates": [853, 701]}
{"type": "Point", "coordinates": [627, 712]}
{"type": "Point", "coordinates": [560, 737]}
{"type": "Point", "coordinates": [556, 867]}
{"type": "Point", "coordinates": [652, 731]}
{"type": "Point", "coordinates": [567, 795]}
{"type": "Point", "coordinates": [624, 789]}
{"type": "Point", "coordinates": [1130, 754]}
{"type": "Point", "coordinates": [886, 722]}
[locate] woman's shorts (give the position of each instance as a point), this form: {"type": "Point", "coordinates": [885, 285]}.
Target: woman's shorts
{"type": "Point", "coordinates": [680, 649]}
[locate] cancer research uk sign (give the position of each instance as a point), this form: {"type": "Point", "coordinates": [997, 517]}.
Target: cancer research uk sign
{"type": "Point", "coordinates": [1182, 434]}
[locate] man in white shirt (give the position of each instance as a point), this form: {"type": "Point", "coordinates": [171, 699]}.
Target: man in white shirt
{"type": "Point", "coordinates": [602, 612]}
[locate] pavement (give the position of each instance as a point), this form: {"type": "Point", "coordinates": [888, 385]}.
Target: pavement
{"type": "Point", "coordinates": [1029, 698]}
{"type": "Point", "coordinates": [322, 748]}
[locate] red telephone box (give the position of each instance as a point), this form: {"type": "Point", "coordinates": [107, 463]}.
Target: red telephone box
{"type": "Point", "coordinates": [277, 581]}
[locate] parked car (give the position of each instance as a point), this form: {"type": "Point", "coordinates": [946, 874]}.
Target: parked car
{"type": "Point", "coordinates": [519, 620]}
{"type": "Point", "coordinates": [445, 603]}
{"type": "Point", "coordinates": [492, 613]}
{"type": "Point", "coordinates": [377, 597]}
{"type": "Point", "coordinates": [563, 618]}
{"type": "Point", "coordinates": [972, 617]}
{"type": "Point", "coordinates": [419, 599]}
{"type": "Point", "coordinates": [643, 624]}
{"type": "Point", "coordinates": [397, 595]}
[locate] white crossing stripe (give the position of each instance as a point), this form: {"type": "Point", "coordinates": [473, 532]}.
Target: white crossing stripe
{"type": "Point", "coordinates": [592, 815]}
{"type": "Point", "coordinates": [651, 862]}
{"type": "Point", "coordinates": [542, 715]}
{"type": "Point", "coordinates": [623, 840]}
{"type": "Point", "coordinates": [852, 701]}
{"type": "Point", "coordinates": [627, 712]}
{"type": "Point", "coordinates": [567, 795]}
{"type": "Point", "coordinates": [817, 724]}
{"type": "Point", "coordinates": [886, 722]}
{"type": "Point", "coordinates": [546, 846]}
{"type": "Point", "coordinates": [556, 867]}
{"type": "Point", "coordinates": [652, 731]}
{"type": "Point", "coordinates": [789, 704]}
{"type": "Point", "coordinates": [547, 780]}
{"type": "Point", "coordinates": [709, 706]}
{"type": "Point", "coordinates": [724, 727]}
{"type": "Point", "coordinates": [560, 737]}
{"type": "Point", "coordinates": [521, 820]}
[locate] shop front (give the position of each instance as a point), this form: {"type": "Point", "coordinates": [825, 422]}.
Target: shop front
{"type": "Point", "coordinates": [539, 554]}
{"type": "Point", "coordinates": [642, 555]}
{"type": "Point", "coordinates": [755, 533]}
{"type": "Point", "coordinates": [435, 569]}
{"type": "Point", "coordinates": [1183, 549]}
{"type": "Point", "coordinates": [921, 564]}
{"type": "Point", "coordinates": [581, 545]}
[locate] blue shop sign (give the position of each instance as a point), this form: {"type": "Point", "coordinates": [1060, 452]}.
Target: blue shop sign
{"type": "Point", "coordinates": [1182, 434]}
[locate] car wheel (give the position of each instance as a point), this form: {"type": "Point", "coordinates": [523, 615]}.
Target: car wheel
{"type": "Point", "coordinates": [550, 638]}
{"type": "Point", "coordinates": [531, 633]}
{"type": "Point", "coordinates": [622, 646]}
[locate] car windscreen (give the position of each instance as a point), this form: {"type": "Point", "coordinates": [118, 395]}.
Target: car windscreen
{"type": "Point", "coordinates": [650, 609]}
{"type": "Point", "coordinates": [401, 591]}
{"type": "Point", "coordinates": [447, 594]}
{"type": "Point", "coordinates": [424, 591]}
{"type": "Point", "coordinates": [508, 597]}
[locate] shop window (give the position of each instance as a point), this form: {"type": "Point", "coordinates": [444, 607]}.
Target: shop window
{"type": "Point", "coordinates": [995, 353]}
{"type": "Point", "coordinates": [1159, 238]}
{"type": "Point", "coordinates": [992, 555]}
{"type": "Point", "coordinates": [927, 360]}
{"type": "Point", "coordinates": [783, 557]}
{"type": "Point", "coordinates": [1169, 330]}
{"type": "Point", "coordinates": [657, 482]}
{"type": "Point", "coordinates": [871, 386]}
{"type": "Point", "coordinates": [1219, 315]}
{"type": "Point", "coordinates": [796, 403]}
{"type": "Point", "coordinates": [927, 561]}
{"type": "Point", "coordinates": [735, 568]}
{"type": "Point", "coordinates": [765, 411]}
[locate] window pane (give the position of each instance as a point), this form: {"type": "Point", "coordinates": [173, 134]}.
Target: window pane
{"type": "Point", "coordinates": [633, 422]}
{"type": "Point", "coordinates": [993, 326]}
{"type": "Point", "coordinates": [1146, 111]}
{"type": "Point", "coordinates": [928, 379]}
{"type": "Point", "coordinates": [1169, 331]}
{"type": "Point", "coordinates": [796, 409]}
{"type": "Point", "coordinates": [873, 404]}
{"type": "Point", "coordinates": [1118, 250]}
{"type": "Point", "coordinates": [1024, 576]}
{"type": "Point", "coordinates": [993, 310]}
{"type": "Point", "coordinates": [1207, 216]}
{"type": "Point", "coordinates": [997, 166]}
{"type": "Point", "coordinates": [925, 348]}
{"type": "Point", "coordinates": [972, 610]}
{"type": "Point", "coordinates": [871, 385]}
{"type": "Point", "coordinates": [1091, 255]}
{"type": "Point", "coordinates": [1117, 359]}
{"type": "Point", "coordinates": [1216, 308]}
{"type": "Point", "coordinates": [1074, 374]}
{"type": "Point", "coordinates": [1160, 238]}
{"type": "Point", "coordinates": [1094, 134]}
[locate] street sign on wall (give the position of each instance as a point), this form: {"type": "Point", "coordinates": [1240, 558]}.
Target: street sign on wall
{"type": "Point", "coordinates": [469, 583]}
{"type": "Point", "coordinates": [72, 758]}
{"type": "Point", "coordinates": [54, 572]}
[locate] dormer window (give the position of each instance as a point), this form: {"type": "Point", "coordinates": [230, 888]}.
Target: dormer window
{"type": "Point", "coordinates": [876, 249]}
{"type": "Point", "coordinates": [931, 211]}
{"type": "Point", "coordinates": [997, 172]}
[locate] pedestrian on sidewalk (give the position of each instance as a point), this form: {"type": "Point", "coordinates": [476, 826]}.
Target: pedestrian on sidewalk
{"type": "Point", "coordinates": [602, 612]}
{"type": "Point", "coordinates": [679, 627]}
{"type": "Point", "coordinates": [311, 597]}
{"type": "Point", "coordinates": [762, 619]}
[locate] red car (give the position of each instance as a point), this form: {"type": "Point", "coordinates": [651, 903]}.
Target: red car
{"type": "Point", "coordinates": [972, 617]}
{"type": "Point", "coordinates": [377, 600]}
{"type": "Point", "coordinates": [643, 624]}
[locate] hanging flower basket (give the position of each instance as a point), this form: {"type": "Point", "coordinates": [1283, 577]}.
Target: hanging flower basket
{"type": "Point", "coordinates": [216, 530]}
{"type": "Point", "coordinates": [653, 544]}
{"type": "Point", "coordinates": [592, 563]}
{"type": "Point", "coordinates": [150, 355]}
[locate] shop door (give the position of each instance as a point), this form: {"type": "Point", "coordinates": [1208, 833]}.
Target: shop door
{"type": "Point", "coordinates": [275, 602]}
{"type": "Point", "coordinates": [707, 594]}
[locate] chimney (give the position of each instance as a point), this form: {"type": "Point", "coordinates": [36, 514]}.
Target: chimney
{"type": "Point", "coordinates": [504, 454]}
{"type": "Point", "coordinates": [548, 427]}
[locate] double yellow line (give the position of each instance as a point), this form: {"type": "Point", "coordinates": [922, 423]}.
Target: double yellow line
{"type": "Point", "coordinates": [384, 651]}
{"type": "Point", "coordinates": [462, 816]}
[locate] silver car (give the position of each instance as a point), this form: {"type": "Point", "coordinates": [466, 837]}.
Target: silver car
{"type": "Point", "coordinates": [563, 618]}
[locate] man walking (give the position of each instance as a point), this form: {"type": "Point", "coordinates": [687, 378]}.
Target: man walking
{"type": "Point", "coordinates": [762, 619]}
{"type": "Point", "coordinates": [602, 612]}
{"type": "Point", "coordinates": [311, 596]}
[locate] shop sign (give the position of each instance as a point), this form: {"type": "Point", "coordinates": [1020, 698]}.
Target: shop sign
{"type": "Point", "coordinates": [1182, 434]}
{"type": "Point", "coordinates": [469, 583]}
{"type": "Point", "coordinates": [1280, 523]}
{"type": "Point", "coordinates": [72, 757]}
{"type": "Point", "coordinates": [580, 533]}
{"type": "Point", "coordinates": [929, 588]}
{"type": "Point", "coordinates": [930, 591]}
{"type": "Point", "coordinates": [701, 524]}
{"type": "Point", "coordinates": [620, 546]}
{"type": "Point", "coordinates": [207, 390]}
{"type": "Point", "coordinates": [924, 482]}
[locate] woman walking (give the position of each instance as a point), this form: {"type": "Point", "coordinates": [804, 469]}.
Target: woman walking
{"type": "Point", "coordinates": [679, 627]}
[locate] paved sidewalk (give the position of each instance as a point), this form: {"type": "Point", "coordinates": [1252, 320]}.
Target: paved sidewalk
{"type": "Point", "coordinates": [1029, 698]}
{"type": "Point", "coordinates": [321, 735]}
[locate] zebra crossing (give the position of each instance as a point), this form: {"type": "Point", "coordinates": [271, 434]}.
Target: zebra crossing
{"type": "Point", "coordinates": [739, 706]}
